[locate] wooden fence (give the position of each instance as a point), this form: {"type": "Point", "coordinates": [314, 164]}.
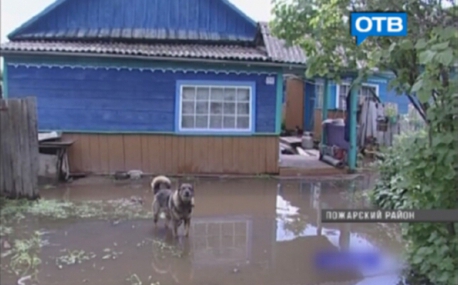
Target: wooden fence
{"type": "Point", "coordinates": [19, 148]}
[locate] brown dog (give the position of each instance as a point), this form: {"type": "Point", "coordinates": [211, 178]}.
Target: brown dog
{"type": "Point", "coordinates": [176, 205]}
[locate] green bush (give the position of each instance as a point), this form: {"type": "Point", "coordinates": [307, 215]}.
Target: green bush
{"type": "Point", "coordinates": [417, 173]}
{"type": "Point", "coordinates": [389, 192]}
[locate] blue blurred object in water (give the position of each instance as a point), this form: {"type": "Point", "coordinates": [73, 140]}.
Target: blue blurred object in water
{"type": "Point", "coordinates": [341, 260]}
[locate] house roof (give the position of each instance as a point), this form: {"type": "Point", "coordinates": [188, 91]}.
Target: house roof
{"type": "Point", "coordinates": [201, 29]}
{"type": "Point", "coordinates": [139, 20]}
{"type": "Point", "coordinates": [272, 49]}
{"type": "Point", "coordinates": [226, 52]}
{"type": "Point", "coordinates": [278, 50]}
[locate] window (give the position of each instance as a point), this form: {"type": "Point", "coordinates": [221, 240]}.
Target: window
{"type": "Point", "coordinates": [343, 92]}
{"type": "Point", "coordinates": [364, 91]}
{"type": "Point", "coordinates": [319, 94]}
{"type": "Point", "coordinates": [215, 108]}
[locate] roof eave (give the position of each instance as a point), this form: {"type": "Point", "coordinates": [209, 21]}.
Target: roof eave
{"type": "Point", "coordinates": [289, 66]}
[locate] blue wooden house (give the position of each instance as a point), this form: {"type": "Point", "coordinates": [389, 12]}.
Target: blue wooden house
{"type": "Point", "coordinates": [164, 86]}
{"type": "Point", "coordinates": [314, 90]}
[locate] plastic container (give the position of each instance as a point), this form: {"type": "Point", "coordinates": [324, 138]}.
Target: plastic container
{"type": "Point", "coordinates": [307, 141]}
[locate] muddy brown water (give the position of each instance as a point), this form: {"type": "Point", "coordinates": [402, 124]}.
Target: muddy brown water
{"type": "Point", "coordinates": [258, 231]}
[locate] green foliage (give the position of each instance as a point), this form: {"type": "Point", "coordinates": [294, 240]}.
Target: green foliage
{"type": "Point", "coordinates": [414, 175]}
{"type": "Point", "coordinates": [389, 194]}
{"type": "Point", "coordinates": [421, 170]}
{"type": "Point", "coordinates": [321, 28]}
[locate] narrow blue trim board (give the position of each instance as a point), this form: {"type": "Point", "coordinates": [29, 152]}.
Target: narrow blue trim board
{"type": "Point", "coordinates": [279, 102]}
{"type": "Point", "coordinates": [118, 63]}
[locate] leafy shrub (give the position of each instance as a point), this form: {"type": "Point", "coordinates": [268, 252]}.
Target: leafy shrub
{"type": "Point", "coordinates": [389, 192]}
{"type": "Point", "coordinates": [417, 173]}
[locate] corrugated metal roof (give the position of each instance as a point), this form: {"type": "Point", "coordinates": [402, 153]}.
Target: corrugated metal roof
{"type": "Point", "coordinates": [278, 50]}
{"type": "Point", "coordinates": [226, 52]}
{"type": "Point", "coordinates": [274, 49]}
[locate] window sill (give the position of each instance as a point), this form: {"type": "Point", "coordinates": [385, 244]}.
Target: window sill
{"type": "Point", "coordinates": [214, 133]}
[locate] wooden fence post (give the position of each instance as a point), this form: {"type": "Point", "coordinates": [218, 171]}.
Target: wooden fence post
{"type": "Point", "coordinates": [19, 148]}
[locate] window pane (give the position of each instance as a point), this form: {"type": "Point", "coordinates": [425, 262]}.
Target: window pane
{"type": "Point", "coordinates": [216, 122]}
{"type": "Point", "coordinates": [188, 108]}
{"type": "Point", "coordinates": [229, 94]}
{"type": "Point", "coordinates": [366, 91]}
{"type": "Point", "coordinates": [187, 122]}
{"type": "Point", "coordinates": [229, 122]}
{"type": "Point", "coordinates": [216, 108]}
{"type": "Point", "coordinates": [344, 89]}
{"type": "Point", "coordinates": [243, 94]}
{"type": "Point", "coordinates": [243, 122]}
{"type": "Point", "coordinates": [343, 103]}
{"type": "Point", "coordinates": [201, 107]}
{"type": "Point", "coordinates": [217, 94]}
{"type": "Point", "coordinates": [189, 93]}
{"type": "Point", "coordinates": [203, 93]}
{"type": "Point", "coordinates": [229, 108]}
{"type": "Point", "coordinates": [243, 108]}
{"type": "Point", "coordinates": [202, 122]}
{"type": "Point", "coordinates": [319, 96]}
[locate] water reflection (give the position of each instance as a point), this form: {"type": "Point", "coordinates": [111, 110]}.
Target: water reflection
{"type": "Point", "coordinates": [243, 232]}
{"type": "Point", "coordinates": [294, 222]}
{"type": "Point", "coordinates": [221, 242]}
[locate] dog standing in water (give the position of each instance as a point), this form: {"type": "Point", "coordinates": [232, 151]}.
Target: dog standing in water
{"type": "Point", "coordinates": [176, 204]}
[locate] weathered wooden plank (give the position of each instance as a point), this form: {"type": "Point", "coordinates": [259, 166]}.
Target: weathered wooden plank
{"type": "Point", "coordinates": [132, 152]}
{"type": "Point", "coordinates": [104, 155]}
{"type": "Point", "coordinates": [7, 159]}
{"type": "Point", "coordinates": [24, 150]}
{"type": "Point", "coordinates": [3, 145]}
{"type": "Point", "coordinates": [33, 143]}
{"type": "Point", "coordinates": [94, 151]}
{"type": "Point", "coordinates": [19, 149]}
{"type": "Point", "coordinates": [15, 110]}
{"type": "Point", "coordinates": [166, 154]}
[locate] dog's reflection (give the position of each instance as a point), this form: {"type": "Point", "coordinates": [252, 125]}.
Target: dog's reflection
{"type": "Point", "coordinates": [172, 258]}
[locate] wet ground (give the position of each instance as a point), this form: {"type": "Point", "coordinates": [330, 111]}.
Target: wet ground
{"type": "Point", "coordinates": [257, 231]}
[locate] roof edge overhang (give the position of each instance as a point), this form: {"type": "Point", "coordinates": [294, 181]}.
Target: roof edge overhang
{"type": "Point", "coordinates": [250, 43]}
{"type": "Point", "coordinates": [285, 66]}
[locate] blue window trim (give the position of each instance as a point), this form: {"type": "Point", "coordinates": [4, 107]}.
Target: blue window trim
{"type": "Point", "coordinates": [249, 84]}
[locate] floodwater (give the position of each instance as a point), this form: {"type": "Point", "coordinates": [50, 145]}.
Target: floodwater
{"type": "Point", "coordinates": [257, 231]}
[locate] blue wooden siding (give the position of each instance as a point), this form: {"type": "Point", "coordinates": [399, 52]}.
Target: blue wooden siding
{"type": "Point", "coordinates": [141, 19]}
{"type": "Point", "coordinates": [388, 95]}
{"type": "Point", "coordinates": [106, 62]}
{"type": "Point", "coordinates": [125, 100]}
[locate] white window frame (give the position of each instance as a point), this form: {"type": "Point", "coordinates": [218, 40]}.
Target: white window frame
{"type": "Point", "coordinates": [209, 130]}
{"type": "Point", "coordinates": [319, 98]}
{"type": "Point", "coordinates": [372, 85]}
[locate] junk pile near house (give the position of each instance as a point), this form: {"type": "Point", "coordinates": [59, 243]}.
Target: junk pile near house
{"type": "Point", "coordinates": [131, 174]}
{"type": "Point", "coordinates": [299, 151]}
{"type": "Point", "coordinates": [377, 125]}
{"type": "Point", "coordinates": [53, 158]}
